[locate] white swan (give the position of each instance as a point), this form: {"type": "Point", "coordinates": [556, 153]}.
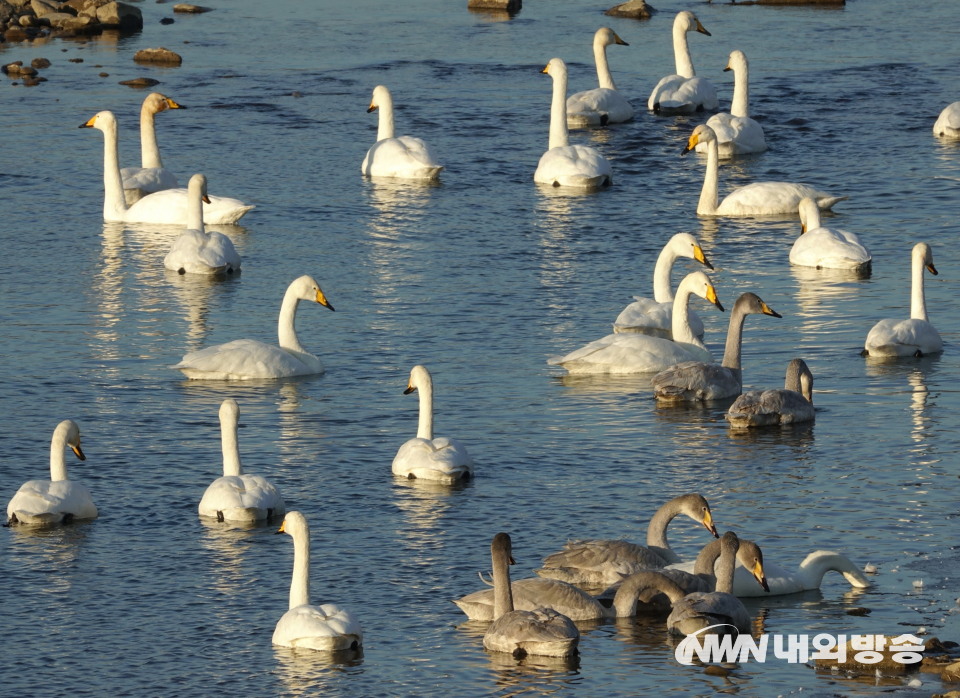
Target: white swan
{"type": "Point", "coordinates": [757, 199]}
{"type": "Point", "coordinates": [948, 123]}
{"type": "Point", "coordinates": [605, 562]}
{"type": "Point", "coordinates": [538, 632]}
{"type": "Point", "coordinates": [641, 353]}
{"type": "Point", "coordinates": [425, 457]}
{"type": "Point", "coordinates": [404, 157]}
{"type": "Point", "coordinates": [327, 627]}
{"type": "Point", "coordinates": [238, 496]}
{"type": "Point", "coordinates": [737, 133]}
{"type": "Point", "coordinates": [246, 359]}
{"type": "Point", "coordinates": [196, 251]}
{"type": "Point", "coordinates": [46, 502]}
{"type": "Point", "coordinates": [913, 337]}
{"type": "Point", "coordinates": [654, 316]}
{"type": "Point", "coordinates": [565, 165]}
{"type": "Point", "coordinates": [151, 176]}
{"type": "Point", "coordinates": [683, 93]}
{"type": "Point", "coordinates": [791, 405]}
{"type": "Point", "coordinates": [694, 381]}
{"type": "Point", "coordinates": [825, 248]}
{"type": "Point", "coordinates": [603, 105]}
{"type": "Point", "coordinates": [167, 207]}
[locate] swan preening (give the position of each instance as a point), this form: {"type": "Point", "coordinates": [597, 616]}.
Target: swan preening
{"type": "Point", "coordinates": [327, 627]}
{"type": "Point", "coordinates": [793, 404]}
{"type": "Point", "coordinates": [47, 502]}
{"type": "Point", "coordinates": [425, 457]}
{"type": "Point", "coordinates": [565, 165]}
{"type": "Point", "coordinates": [642, 353]}
{"type": "Point", "coordinates": [538, 632]}
{"type": "Point", "coordinates": [913, 337]}
{"type": "Point", "coordinates": [246, 359]}
{"type": "Point", "coordinates": [825, 248]}
{"type": "Point", "coordinates": [757, 199]}
{"type": "Point", "coordinates": [684, 92]}
{"type": "Point", "coordinates": [737, 133]}
{"type": "Point", "coordinates": [655, 316]}
{"type": "Point", "coordinates": [168, 207]}
{"type": "Point", "coordinates": [603, 105]}
{"type": "Point", "coordinates": [196, 251]}
{"type": "Point", "coordinates": [948, 123]}
{"type": "Point", "coordinates": [404, 157]}
{"type": "Point", "coordinates": [151, 176]}
{"type": "Point", "coordinates": [693, 381]}
{"type": "Point", "coordinates": [238, 496]}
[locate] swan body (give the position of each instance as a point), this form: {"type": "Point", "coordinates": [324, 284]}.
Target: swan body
{"type": "Point", "coordinates": [47, 502]}
{"type": "Point", "coordinates": [654, 316]}
{"type": "Point", "coordinates": [737, 133]}
{"type": "Point", "coordinates": [641, 353]}
{"type": "Point", "coordinates": [238, 496]}
{"type": "Point", "coordinates": [565, 165]}
{"type": "Point", "coordinates": [791, 405]}
{"type": "Point", "coordinates": [683, 92]}
{"type": "Point", "coordinates": [404, 157]}
{"type": "Point", "coordinates": [151, 176]}
{"type": "Point", "coordinates": [247, 359]}
{"type": "Point", "coordinates": [825, 248]}
{"type": "Point", "coordinates": [425, 457]}
{"type": "Point", "coordinates": [603, 105]}
{"type": "Point", "coordinates": [948, 123]}
{"type": "Point", "coordinates": [913, 337]}
{"type": "Point", "coordinates": [326, 627]}
{"type": "Point", "coordinates": [695, 381]}
{"type": "Point", "coordinates": [196, 251]}
{"type": "Point", "coordinates": [757, 199]}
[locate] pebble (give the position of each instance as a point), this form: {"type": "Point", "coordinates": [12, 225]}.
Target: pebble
{"type": "Point", "coordinates": [40, 63]}
{"type": "Point", "coordinates": [166, 20]}
{"type": "Point", "coordinates": [140, 82]}
{"type": "Point", "coordinates": [31, 82]}
{"type": "Point", "coordinates": [75, 60]}
{"type": "Point", "coordinates": [191, 9]}
{"type": "Point", "coordinates": [634, 9]}
{"type": "Point", "coordinates": [157, 55]}
{"type": "Point", "coordinates": [104, 75]}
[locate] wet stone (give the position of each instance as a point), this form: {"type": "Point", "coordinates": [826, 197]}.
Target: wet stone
{"type": "Point", "coordinates": [157, 55]}
{"type": "Point", "coordinates": [75, 60]}
{"type": "Point", "coordinates": [634, 9]}
{"type": "Point", "coordinates": [185, 8]}
{"type": "Point", "coordinates": [166, 20]}
{"type": "Point", "coordinates": [140, 82]}
{"type": "Point", "coordinates": [40, 63]}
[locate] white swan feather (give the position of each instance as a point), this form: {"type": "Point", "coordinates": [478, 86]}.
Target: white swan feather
{"type": "Point", "coordinates": [683, 92]}
{"type": "Point", "coordinates": [602, 105]}
{"type": "Point", "coordinates": [196, 251]}
{"type": "Point", "coordinates": [948, 123]}
{"type": "Point", "coordinates": [404, 157]}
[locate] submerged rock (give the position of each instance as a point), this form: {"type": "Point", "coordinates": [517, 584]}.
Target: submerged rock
{"type": "Point", "coordinates": [157, 55]}
{"type": "Point", "coordinates": [75, 60]}
{"type": "Point", "coordinates": [40, 63]}
{"type": "Point", "coordinates": [166, 20]}
{"type": "Point", "coordinates": [502, 5]}
{"type": "Point", "coordinates": [140, 82]}
{"type": "Point", "coordinates": [194, 9]}
{"type": "Point", "coordinates": [634, 9]}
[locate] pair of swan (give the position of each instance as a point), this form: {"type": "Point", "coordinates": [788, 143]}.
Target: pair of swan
{"type": "Point", "coordinates": [683, 92]}
{"type": "Point", "coordinates": [737, 133]}
{"type": "Point", "coordinates": [791, 405]}
{"type": "Point", "coordinates": [565, 165]}
{"type": "Point", "coordinates": [693, 381]}
{"type": "Point", "coordinates": [327, 627]}
{"type": "Point", "coordinates": [603, 105]}
{"type": "Point", "coordinates": [655, 316]}
{"type": "Point", "coordinates": [167, 207]}
{"type": "Point", "coordinates": [913, 337]}
{"type": "Point", "coordinates": [443, 459]}
{"type": "Point", "coordinates": [404, 157]}
{"type": "Point", "coordinates": [641, 353]}
{"type": "Point", "coordinates": [247, 359]}
{"type": "Point", "coordinates": [151, 176]}
{"type": "Point", "coordinates": [757, 199]}
{"type": "Point", "coordinates": [238, 496]}
{"type": "Point", "coordinates": [948, 123]}
{"type": "Point", "coordinates": [196, 251]}
{"type": "Point", "coordinates": [825, 248]}
{"type": "Point", "coordinates": [47, 502]}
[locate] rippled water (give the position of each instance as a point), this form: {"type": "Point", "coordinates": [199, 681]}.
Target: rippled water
{"type": "Point", "coordinates": [480, 278]}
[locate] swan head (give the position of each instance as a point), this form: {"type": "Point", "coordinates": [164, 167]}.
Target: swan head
{"type": "Point", "coordinates": [419, 378]}
{"type": "Point", "coordinates": [502, 545]}
{"type": "Point", "coordinates": [198, 183]}
{"type": "Point", "coordinates": [229, 411]}
{"type": "Point", "coordinates": [700, 284]}
{"type": "Point", "coordinates": [605, 36]}
{"type": "Point", "coordinates": [556, 68]}
{"type": "Point", "coordinates": [737, 62]}
{"type": "Point", "coordinates": [103, 121]}
{"type": "Point", "coordinates": [307, 289]}
{"type": "Point", "coordinates": [72, 437]}
{"type": "Point", "coordinates": [686, 245]}
{"type": "Point", "coordinates": [294, 524]}
{"type": "Point", "coordinates": [809, 215]}
{"type": "Point", "coordinates": [701, 134]}
{"type": "Point", "coordinates": [156, 103]}
{"type": "Point", "coordinates": [751, 557]}
{"type": "Point", "coordinates": [381, 97]}
{"type": "Point", "coordinates": [687, 21]}
{"type": "Point", "coordinates": [751, 304]}
{"type": "Point", "coordinates": [922, 251]}
{"type": "Point", "coordinates": [696, 507]}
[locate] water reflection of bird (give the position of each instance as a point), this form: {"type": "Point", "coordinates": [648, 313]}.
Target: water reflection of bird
{"type": "Point", "coordinates": [229, 546]}
{"type": "Point", "coordinates": [306, 672]}
{"type": "Point", "coordinates": [533, 674]}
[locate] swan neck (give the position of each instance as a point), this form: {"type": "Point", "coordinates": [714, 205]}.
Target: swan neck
{"type": "Point", "coordinates": [681, 52]}
{"type": "Point", "coordinates": [58, 462]}
{"type": "Point", "coordinates": [657, 531]}
{"type": "Point", "coordinates": [918, 303]}
{"type": "Point", "coordinates": [285, 328]}
{"type": "Point", "coordinates": [195, 209]}
{"type": "Point", "coordinates": [114, 203]}
{"type": "Point", "coordinates": [558, 113]}
{"type": "Point", "coordinates": [819, 563]}
{"type": "Point", "coordinates": [741, 93]}
{"type": "Point", "coordinates": [710, 192]}
{"type": "Point", "coordinates": [704, 565]}
{"type": "Point", "coordinates": [725, 569]}
{"type": "Point", "coordinates": [792, 381]}
{"type": "Point", "coordinates": [300, 585]}
{"type": "Point", "coordinates": [662, 291]}
{"type": "Point", "coordinates": [386, 128]}
{"type": "Point", "coordinates": [603, 70]}
{"type": "Point", "coordinates": [425, 427]}
{"type": "Point", "coordinates": [625, 602]}
{"type": "Point", "coordinates": [149, 151]}
{"type": "Point", "coordinates": [682, 332]}
{"type": "Point", "coordinates": [230, 446]}
{"type": "Point", "coordinates": [731, 354]}
{"type": "Point", "coordinates": [502, 591]}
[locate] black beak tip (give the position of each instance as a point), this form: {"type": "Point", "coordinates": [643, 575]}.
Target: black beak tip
{"type": "Point", "coordinates": [329, 305]}
{"type": "Point", "coordinates": [408, 391]}
{"type": "Point", "coordinates": [775, 314]}
{"type": "Point", "coordinates": [370, 109]}
{"type": "Point", "coordinates": [720, 307]}
{"type": "Point", "coordinates": [704, 31]}
{"type": "Point", "coordinates": [277, 533]}
{"type": "Point", "coordinates": [708, 265]}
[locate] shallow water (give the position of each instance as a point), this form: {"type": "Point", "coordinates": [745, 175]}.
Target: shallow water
{"type": "Point", "coordinates": [481, 279]}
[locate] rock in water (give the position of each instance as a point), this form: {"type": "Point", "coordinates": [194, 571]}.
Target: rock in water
{"type": "Point", "coordinates": [44, 7]}
{"type": "Point", "coordinates": [140, 82]}
{"type": "Point", "coordinates": [120, 14]}
{"type": "Point", "coordinates": [166, 20]}
{"type": "Point", "coordinates": [502, 5]}
{"type": "Point", "coordinates": [40, 63]}
{"type": "Point", "coordinates": [634, 9]}
{"type": "Point", "coordinates": [157, 55]}
{"type": "Point", "coordinates": [191, 9]}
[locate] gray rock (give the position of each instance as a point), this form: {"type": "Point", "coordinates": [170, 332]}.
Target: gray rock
{"type": "Point", "coordinates": [19, 4]}
{"type": "Point", "coordinates": [31, 82]}
{"type": "Point", "coordinates": [634, 9]}
{"type": "Point", "coordinates": [502, 5]}
{"type": "Point", "coordinates": [40, 63]}
{"type": "Point", "coordinates": [79, 23]}
{"type": "Point", "coordinates": [75, 60]}
{"type": "Point", "coordinates": [15, 33]}
{"type": "Point", "coordinates": [104, 75]}
{"type": "Point", "coordinates": [54, 19]}
{"type": "Point", "coordinates": [140, 82]}
{"type": "Point", "coordinates": [195, 9]}
{"type": "Point", "coordinates": [29, 21]}
{"type": "Point", "coordinates": [157, 55]}
{"type": "Point", "coordinates": [75, 5]}
{"type": "Point", "coordinates": [90, 8]}
{"type": "Point", "coordinates": [120, 14]}
{"type": "Point", "coordinates": [7, 11]}
{"type": "Point", "coordinates": [44, 7]}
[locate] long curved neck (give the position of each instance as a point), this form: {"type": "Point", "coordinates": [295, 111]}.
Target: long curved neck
{"type": "Point", "coordinates": [818, 563]}
{"type": "Point", "coordinates": [710, 192]}
{"type": "Point", "coordinates": [386, 129]}
{"type": "Point", "coordinates": [113, 199]}
{"type": "Point", "coordinates": [285, 327]}
{"type": "Point", "coordinates": [195, 210]}
{"type": "Point", "coordinates": [657, 531]}
{"type": "Point", "coordinates": [681, 52]}
{"type": "Point", "coordinates": [425, 426]}
{"type": "Point", "coordinates": [58, 462]}
{"type": "Point", "coordinates": [558, 113]}
{"type": "Point", "coordinates": [704, 566]}
{"type": "Point", "coordinates": [918, 303]}
{"type": "Point", "coordinates": [502, 591]}
{"type": "Point", "coordinates": [741, 93]}
{"type": "Point", "coordinates": [230, 447]}
{"type": "Point", "coordinates": [149, 151]}
{"type": "Point", "coordinates": [603, 70]}
{"type": "Point", "coordinates": [682, 332]}
{"type": "Point", "coordinates": [731, 354]}
{"type": "Point", "coordinates": [625, 602]}
{"type": "Point", "coordinates": [662, 292]}
{"type": "Point", "coordinates": [725, 569]}
{"type": "Point", "coordinates": [300, 585]}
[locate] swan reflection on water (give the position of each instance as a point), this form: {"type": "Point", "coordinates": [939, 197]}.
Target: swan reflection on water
{"type": "Point", "coordinates": [423, 504]}
{"type": "Point", "coordinates": [309, 672]}
{"type": "Point", "coordinates": [229, 545]}
{"type": "Point", "coordinates": [45, 548]}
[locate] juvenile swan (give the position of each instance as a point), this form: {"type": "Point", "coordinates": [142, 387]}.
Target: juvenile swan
{"type": "Point", "coordinates": [237, 496]}
{"type": "Point", "coordinates": [47, 502]}
{"type": "Point", "coordinates": [168, 207]}
{"type": "Point", "coordinates": [539, 632]}
{"type": "Point", "coordinates": [913, 337]}
{"type": "Point", "coordinates": [565, 165]}
{"type": "Point", "coordinates": [654, 316]}
{"type": "Point", "coordinates": [683, 93]}
{"type": "Point", "coordinates": [757, 199]}
{"type": "Point", "coordinates": [444, 459]}
{"type": "Point", "coordinates": [328, 627]}
{"type": "Point", "coordinates": [825, 248]}
{"type": "Point", "coordinates": [948, 123]}
{"type": "Point", "coordinates": [151, 176]}
{"type": "Point", "coordinates": [603, 105]}
{"type": "Point", "coordinates": [693, 381]}
{"type": "Point", "coordinates": [246, 359]}
{"type": "Point", "coordinates": [737, 133]}
{"type": "Point", "coordinates": [793, 404]}
{"type": "Point", "coordinates": [196, 251]}
{"type": "Point", "coordinates": [404, 157]}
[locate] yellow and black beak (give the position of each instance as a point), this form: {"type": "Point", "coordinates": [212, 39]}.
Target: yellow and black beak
{"type": "Point", "coordinates": [758, 574]}
{"type": "Point", "coordinates": [88, 124]}
{"type": "Point", "coordinates": [78, 452]}
{"type": "Point", "coordinates": [511, 560]}
{"type": "Point", "coordinates": [322, 300]}
{"type": "Point", "coordinates": [546, 70]}
{"type": "Point", "coordinates": [708, 523]}
{"type": "Point", "coordinates": [371, 108]}
{"type": "Point", "coordinates": [700, 257]}
{"type": "Point", "coordinates": [691, 144]}
{"type": "Point", "coordinates": [620, 41]}
{"type": "Point", "coordinates": [281, 528]}
{"type": "Point", "coordinates": [727, 69]}
{"type": "Point", "coordinates": [803, 228]}
{"type": "Point", "coordinates": [932, 269]}
{"type": "Point", "coordinates": [767, 310]}
{"type": "Point", "coordinates": [173, 105]}
{"type": "Point", "coordinates": [712, 297]}
{"type": "Point", "coordinates": [410, 389]}
{"type": "Point", "coordinates": [702, 30]}
{"type": "Point", "coordinates": [205, 199]}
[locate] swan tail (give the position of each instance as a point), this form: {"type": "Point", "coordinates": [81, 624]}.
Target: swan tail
{"type": "Point", "coordinates": [228, 217]}
{"type": "Point", "coordinates": [584, 119]}
{"type": "Point", "coordinates": [828, 202]}
{"type": "Point", "coordinates": [244, 514]}
{"type": "Point", "coordinates": [47, 518]}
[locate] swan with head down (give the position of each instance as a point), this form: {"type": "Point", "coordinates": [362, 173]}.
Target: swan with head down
{"type": "Point", "coordinates": [683, 92]}
{"type": "Point", "coordinates": [602, 105]}
{"type": "Point", "coordinates": [791, 405]}
{"type": "Point", "coordinates": [948, 123]}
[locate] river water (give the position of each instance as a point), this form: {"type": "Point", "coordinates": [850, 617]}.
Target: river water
{"type": "Point", "coordinates": [481, 278]}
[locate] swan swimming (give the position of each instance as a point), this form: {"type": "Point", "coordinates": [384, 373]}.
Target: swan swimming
{"type": "Point", "coordinates": [737, 133]}
{"type": "Point", "coordinates": [196, 251]}
{"type": "Point", "coordinates": [948, 123]}
{"type": "Point", "coordinates": [684, 92]}
{"type": "Point", "coordinates": [791, 405]}
{"type": "Point", "coordinates": [602, 105]}
{"type": "Point", "coordinates": [404, 157]}
{"type": "Point", "coordinates": [151, 176]}
{"type": "Point", "coordinates": [825, 248]}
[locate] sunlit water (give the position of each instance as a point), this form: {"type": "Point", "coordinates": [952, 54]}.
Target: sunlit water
{"type": "Point", "coordinates": [481, 278]}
